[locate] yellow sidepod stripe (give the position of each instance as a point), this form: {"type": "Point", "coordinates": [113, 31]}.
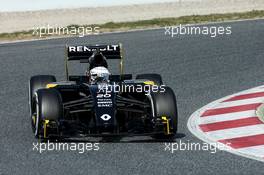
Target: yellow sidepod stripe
{"type": "Point", "coordinates": [149, 82]}
{"type": "Point", "coordinates": [51, 85]}
{"type": "Point", "coordinates": [166, 122]}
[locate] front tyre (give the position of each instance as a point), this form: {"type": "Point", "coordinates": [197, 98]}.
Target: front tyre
{"type": "Point", "coordinates": [35, 83]}
{"type": "Point", "coordinates": [49, 108]}
{"type": "Point", "coordinates": [164, 105]}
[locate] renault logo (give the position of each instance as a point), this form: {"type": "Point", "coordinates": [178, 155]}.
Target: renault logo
{"type": "Point", "coordinates": [105, 117]}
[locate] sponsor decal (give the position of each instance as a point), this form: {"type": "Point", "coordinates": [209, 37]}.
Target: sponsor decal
{"type": "Point", "coordinates": [105, 117]}
{"type": "Point", "coordinates": [81, 49]}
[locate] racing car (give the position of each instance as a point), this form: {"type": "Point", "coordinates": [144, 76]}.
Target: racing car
{"type": "Point", "coordinates": [98, 103]}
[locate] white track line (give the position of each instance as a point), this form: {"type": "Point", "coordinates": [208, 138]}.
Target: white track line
{"type": "Point", "coordinates": [234, 132]}
{"type": "Point", "coordinates": [256, 150]}
{"type": "Point", "coordinates": [239, 102]}
{"type": "Point", "coordinates": [227, 117]}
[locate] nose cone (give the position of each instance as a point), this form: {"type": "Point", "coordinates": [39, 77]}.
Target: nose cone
{"type": "Point", "coordinates": [104, 105]}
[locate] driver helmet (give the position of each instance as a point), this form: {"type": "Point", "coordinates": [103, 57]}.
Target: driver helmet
{"type": "Point", "coordinates": [99, 75]}
{"type": "Point", "coordinates": [97, 59]}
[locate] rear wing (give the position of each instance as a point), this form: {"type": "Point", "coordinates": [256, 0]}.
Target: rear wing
{"type": "Point", "coordinates": [84, 52]}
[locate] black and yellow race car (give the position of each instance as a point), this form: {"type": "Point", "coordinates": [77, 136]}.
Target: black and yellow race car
{"type": "Point", "coordinates": [99, 103]}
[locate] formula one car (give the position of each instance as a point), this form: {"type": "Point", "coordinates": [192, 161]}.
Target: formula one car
{"type": "Point", "coordinates": [98, 103]}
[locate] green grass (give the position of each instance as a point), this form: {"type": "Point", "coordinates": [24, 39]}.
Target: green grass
{"type": "Point", "coordinates": [144, 24]}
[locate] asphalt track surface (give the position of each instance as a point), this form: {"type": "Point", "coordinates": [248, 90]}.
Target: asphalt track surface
{"type": "Point", "coordinates": [200, 69]}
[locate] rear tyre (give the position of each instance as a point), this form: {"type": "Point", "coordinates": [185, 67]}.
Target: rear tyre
{"type": "Point", "coordinates": [164, 104]}
{"type": "Point", "coordinates": [48, 106]}
{"type": "Point", "coordinates": [156, 78]}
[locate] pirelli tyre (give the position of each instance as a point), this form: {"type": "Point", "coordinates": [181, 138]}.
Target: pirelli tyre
{"type": "Point", "coordinates": [39, 82]}
{"type": "Point", "coordinates": [156, 78]}
{"type": "Point", "coordinates": [48, 106]}
{"type": "Point", "coordinates": [35, 83]}
{"type": "Point", "coordinates": [164, 105]}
